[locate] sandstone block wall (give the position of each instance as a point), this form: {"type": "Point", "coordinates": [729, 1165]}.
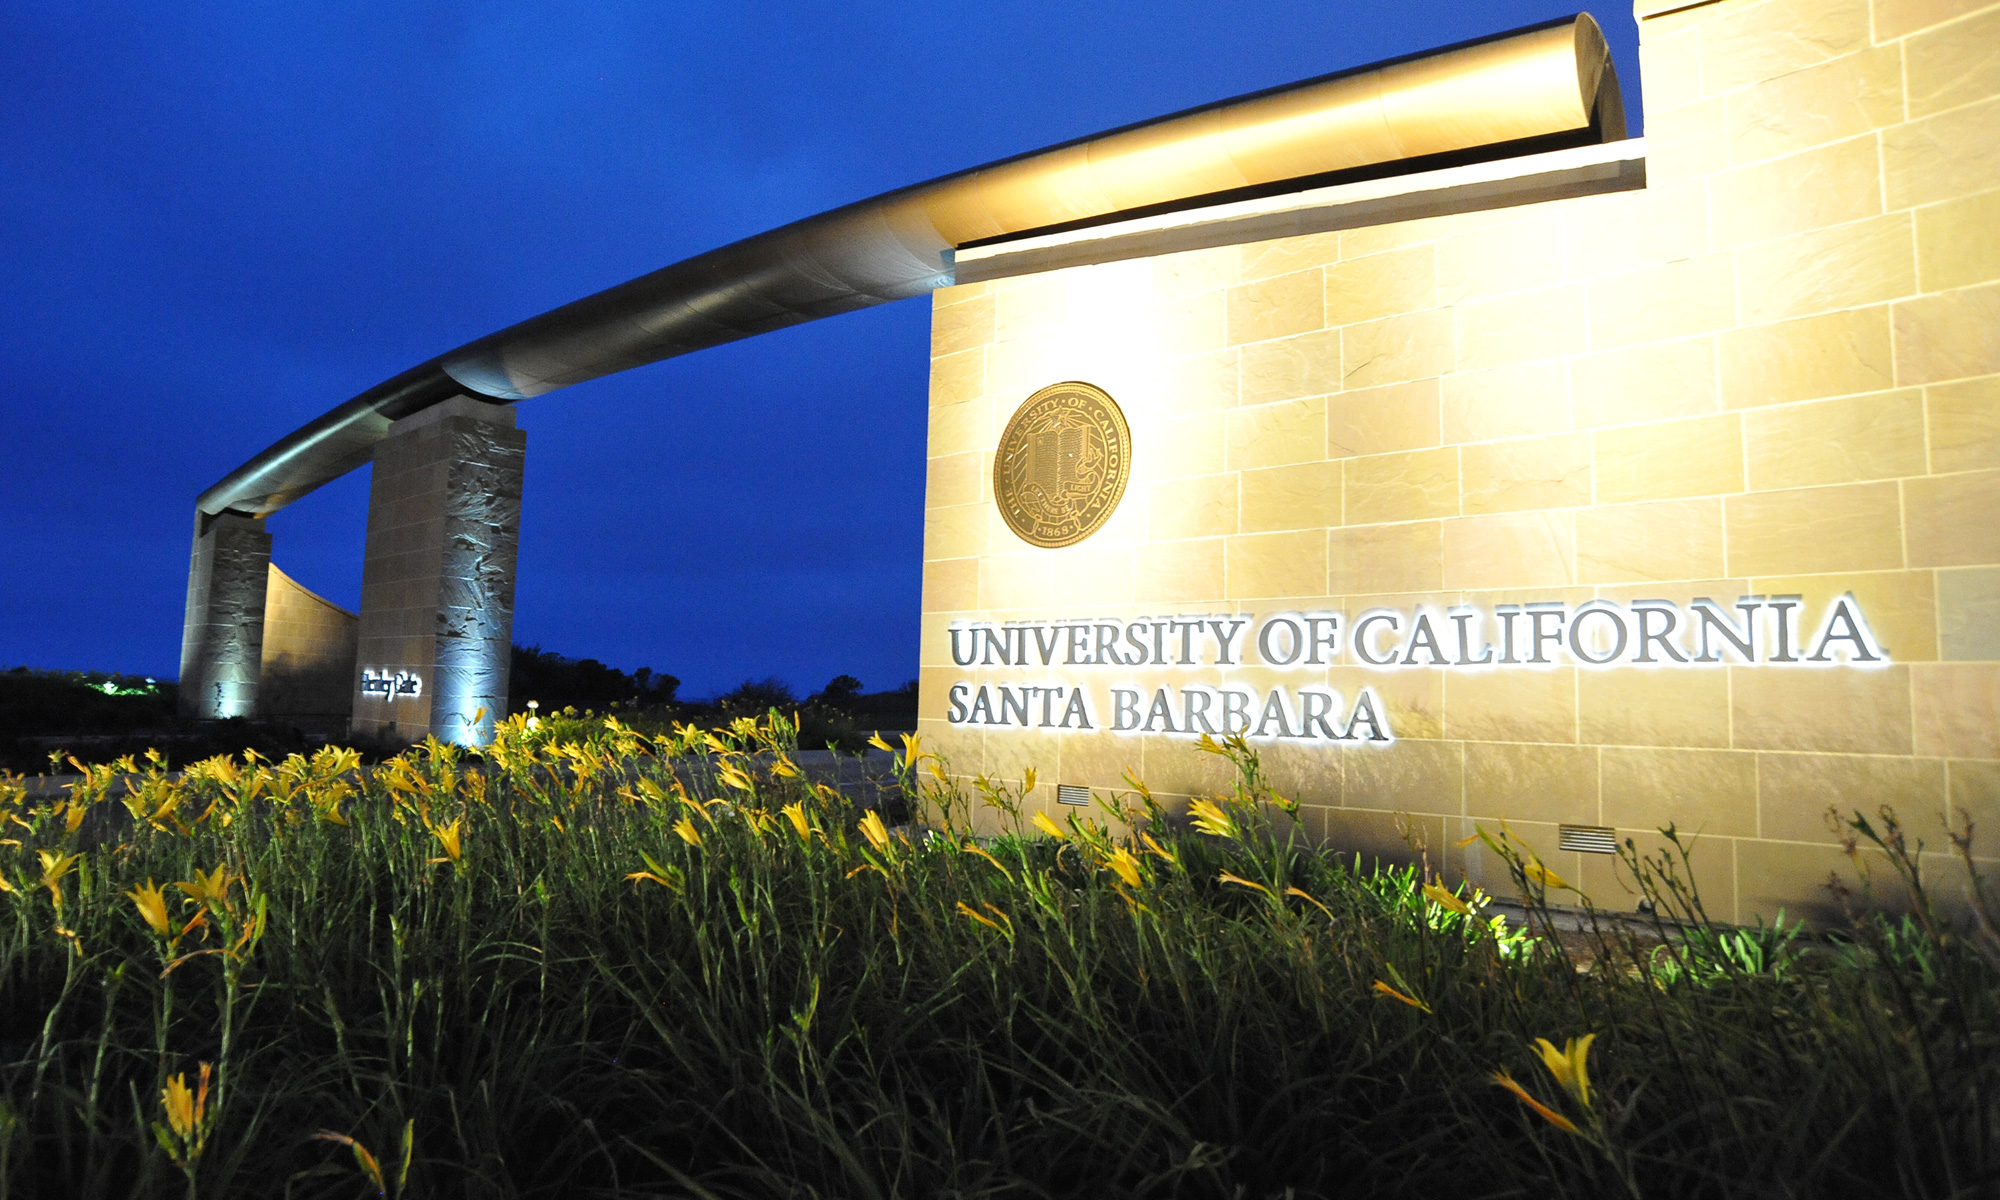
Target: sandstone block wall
{"type": "Point", "coordinates": [1775, 370]}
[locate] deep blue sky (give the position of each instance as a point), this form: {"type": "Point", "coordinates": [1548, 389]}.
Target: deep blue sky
{"type": "Point", "coordinates": [223, 218]}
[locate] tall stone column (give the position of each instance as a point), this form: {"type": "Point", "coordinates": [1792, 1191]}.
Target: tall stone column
{"type": "Point", "coordinates": [222, 636]}
{"type": "Point", "coordinates": [437, 579]}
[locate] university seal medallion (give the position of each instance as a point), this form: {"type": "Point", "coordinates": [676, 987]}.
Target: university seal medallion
{"type": "Point", "coordinates": [1062, 465]}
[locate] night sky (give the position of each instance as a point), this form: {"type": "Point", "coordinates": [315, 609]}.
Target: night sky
{"type": "Point", "coordinates": [222, 219]}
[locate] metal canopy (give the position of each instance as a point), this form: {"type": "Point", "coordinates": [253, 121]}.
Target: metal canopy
{"type": "Point", "coordinates": [1531, 90]}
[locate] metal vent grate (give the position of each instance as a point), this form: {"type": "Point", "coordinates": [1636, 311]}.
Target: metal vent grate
{"type": "Point", "coordinates": [1073, 793]}
{"type": "Point", "coordinates": [1589, 839]}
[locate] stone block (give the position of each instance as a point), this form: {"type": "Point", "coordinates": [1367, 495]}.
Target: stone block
{"type": "Point", "coordinates": [1284, 256]}
{"type": "Point", "coordinates": [1951, 521]}
{"type": "Point", "coordinates": [1827, 185]}
{"type": "Point", "coordinates": [1511, 706]}
{"type": "Point", "coordinates": [1277, 564]}
{"type": "Point", "coordinates": [1851, 527]}
{"type": "Point", "coordinates": [1410, 776]}
{"type": "Point", "coordinates": [958, 532]}
{"type": "Point", "coordinates": [1304, 496]}
{"type": "Point", "coordinates": [962, 326]}
{"type": "Point", "coordinates": [1821, 270]}
{"type": "Point", "coordinates": [1838, 98]}
{"type": "Point", "coordinates": [1520, 328]}
{"type": "Point", "coordinates": [1942, 157]}
{"type": "Point", "coordinates": [1019, 580]}
{"type": "Point", "coordinates": [1847, 440]}
{"type": "Point", "coordinates": [1277, 307]}
{"type": "Point", "coordinates": [1522, 256]}
{"type": "Point", "coordinates": [1693, 456]}
{"type": "Point", "coordinates": [1090, 576]}
{"type": "Point", "coordinates": [1549, 784]}
{"type": "Point", "coordinates": [1179, 572]}
{"type": "Point", "coordinates": [1381, 285]}
{"type": "Point", "coordinates": [1964, 424]}
{"type": "Point", "coordinates": [1699, 792]}
{"type": "Point", "coordinates": [1179, 509]}
{"type": "Point", "coordinates": [1957, 709]}
{"type": "Point", "coordinates": [1670, 68]}
{"type": "Point", "coordinates": [1382, 420]}
{"type": "Point", "coordinates": [960, 426]}
{"type": "Point", "coordinates": [1397, 348]}
{"type": "Point", "coordinates": [1958, 242]}
{"type": "Point", "coordinates": [955, 479]}
{"type": "Point", "coordinates": [1182, 447]}
{"type": "Point", "coordinates": [1644, 383]}
{"type": "Point", "coordinates": [1795, 791]}
{"type": "Point", "coordinates": [1412, 700]}
{"type": "Point", "coordinates": [1671, 706]}
{"type": "Point", "coordinates": [1378, 559]}
{"type": "Point", "coordinates": [1271, 435]}
{"type": "Point", "coordinates": [1968, 608]}
{"type": "Point", "coordinates": [1838, 711]}
{"type": "Point", "coordinates": [1687, 145]}
{"type": "Point", "coordinates": [1897, 18]}
{"type": "Point", "coordinates": [1947, 336]}
{"type": "Point", "coordinates": [1032, 306]}
{"type": "Point", "coordinates": [1510, 550]}
{"type": "Point", "coordinates": [1838, 354]}
{"type": "Point", "coordinates": [958, 377]}
{"type": "Point", "coordinates": [1791, 878]}
{"type": "Point", "coordinates": [1201, 383]}
{"type": "Point", "coordinates": [1677, 299]}
{"type": "Point", "coordinates": [1955, 65]}
{"type": "Point", "coordinates": [1525, 473]}
{"type": "Point", "coordinates": [1506, 402]}
{"type": "Point", "coordinates": [1290, 368]}
{"type": "Point", "coordinates": [1194, 272]}
{"type": "Point", "coordinates": [1412, 486]}
{"type": "Point", "coordinates": [1661, 540]}
{"type": "Point", "coordinates": [1748, 44]}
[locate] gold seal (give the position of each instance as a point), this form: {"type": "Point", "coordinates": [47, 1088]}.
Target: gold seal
{"type": "Point", "coordinates": [1062, 465]}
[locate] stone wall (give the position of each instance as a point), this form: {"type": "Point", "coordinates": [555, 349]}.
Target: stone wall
{"type": "Point", "coordinates": [1773, 371]}
{"type": "Point", "coordinates": [308, 658]}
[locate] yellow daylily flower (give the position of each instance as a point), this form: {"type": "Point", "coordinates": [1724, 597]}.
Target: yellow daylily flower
{"type": "Point", "coordinates": [795, 812]}
{"type": "Point", "coordinates": [1239, 881]}
{"type": "Point", "coordinates": [211, 889]}
{"type": "Point", "coordinates": [448, 835]}
{"type": "Point", "coordinates": [152, 906]}
{"type": "Point", "coordinates": [1443, 898]}
{"type": "Point", "coordinates": [876, 741]}
{"type": "Point", "coordinates": [1570, 1065]}
{"type": "Point", "coordinates": [1210, 819]}
{"type": "Point", "coordinates": [1124, 865]}
{"type": "Point", "coordinates": [688, 832]}
{"type": "Point", "coordinates": [1547, 878]}
{"type": "Point", "coordinates": [1043, 823]}
{"type": "Point", "coordinates": [873, 829]}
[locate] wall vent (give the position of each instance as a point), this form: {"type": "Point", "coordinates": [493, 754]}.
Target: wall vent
{"type": "Point", "coordinates": [1073, 793]}
{"type": "Point", "coordinates": [1589, 839]}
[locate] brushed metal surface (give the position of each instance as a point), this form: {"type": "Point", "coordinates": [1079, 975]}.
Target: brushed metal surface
{"type": "Point", "coordinates": [1535, 89]}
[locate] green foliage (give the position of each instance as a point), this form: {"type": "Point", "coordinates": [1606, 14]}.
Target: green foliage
{"type": "Point", "coordinates": [599, 961]}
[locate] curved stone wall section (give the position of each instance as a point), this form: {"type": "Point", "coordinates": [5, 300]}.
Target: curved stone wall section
{"type": "Point", "coordinates": [308, 658]}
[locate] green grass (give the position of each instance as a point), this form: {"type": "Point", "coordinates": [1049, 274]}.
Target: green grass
{"type": "Point", "coordinates": [637, 976]}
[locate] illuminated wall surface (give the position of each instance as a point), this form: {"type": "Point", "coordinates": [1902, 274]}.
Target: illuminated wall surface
{"type": "Point", "coordinates": [1715, 463]}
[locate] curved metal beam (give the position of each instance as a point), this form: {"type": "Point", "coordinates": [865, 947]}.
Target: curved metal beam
{"type": "Point", "coordinates": [1534, 89]}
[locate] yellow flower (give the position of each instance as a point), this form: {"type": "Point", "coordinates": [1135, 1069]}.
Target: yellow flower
{"type": "Point", "coordinates": [912, 749]}
{"type": "Point", "coordinates": [1239, 881]}
{"type": "Point", "coordinates": [783, 768]}
{"type": "Point", "coordinates": [876, 741]}
{"type": "Point", "coordinates": [1547, 878]}
{"type": "Point", "coordinates": [795, 812]}
{"type": "Point", "coordinates": [974, 913]}
{"type": "Point", "coordinates": [186, 1109]}
{"type": "Point", "coordinates": [1383, 989]}
{"type": "Point", "coordinates": [873, 829]}
{"type": "Point", "coordinates": [76, 815]}
{"type": "Point", "coordinates": [1548, 1114]}
{"type": "Point", "coordinates": [55, 867]}
{"type": "Point", "coordinates": [732, 777]}
{"type": "Point", "coordinates": [1444, 899]}
{"type": "Point", "coordinates": [448, 835]}
{"type": "Point", "coordinates": [1027, 781]}
{"type": "Point", "coordinates": [688, 832]}
{"type": "Point", "coordinates": [152, 906]}
{"type": "Point", "coordinates": [1570, 1065]}
{"type": "Point", "coordinates": [1043, 823]}
{"type": "Point", "coordinates": [1210, 819]}
{"type": "Point", "coordinates": [1126, 867]}
{"type": "Point", "coordinates": [211, 889]}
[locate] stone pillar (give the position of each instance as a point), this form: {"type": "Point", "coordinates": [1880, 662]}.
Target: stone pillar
{"type": "Point", "coordinates": [437, 579]}
{"type": "Point", "coordinates": [222, 638]}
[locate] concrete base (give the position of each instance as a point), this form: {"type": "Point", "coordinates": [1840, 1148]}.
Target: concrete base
{"type": "Point", "coordinates": [222, 639]}
{"type": "Point", "coordinates": [437, 582]}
